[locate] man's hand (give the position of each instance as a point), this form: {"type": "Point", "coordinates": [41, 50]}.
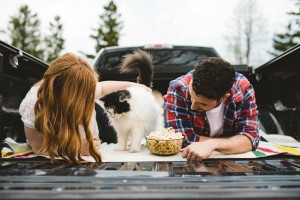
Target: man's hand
{"type": "Point", "coordinates": [230, 145]}
{"type": "Point", "coordinates": [198, 151]}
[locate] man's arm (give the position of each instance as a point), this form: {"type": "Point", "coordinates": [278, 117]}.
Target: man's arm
{"type": "Point", "coordinates": [247, 124]}
{"type": "Point", "coordinates": [201, 150]}
{"type": "Point", "coordinates": [232, 145]}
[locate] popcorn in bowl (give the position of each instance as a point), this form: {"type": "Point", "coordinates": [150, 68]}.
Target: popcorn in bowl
{"type": "Point", "coordinates": [164, 142]}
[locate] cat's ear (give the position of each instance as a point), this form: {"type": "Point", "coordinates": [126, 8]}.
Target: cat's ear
{"type": "Point", "coordinates": [102, 98]}
{"type": "Point", "coordinates": [123, 95]}
{"type": "Point", "coordinates": [122, 98]}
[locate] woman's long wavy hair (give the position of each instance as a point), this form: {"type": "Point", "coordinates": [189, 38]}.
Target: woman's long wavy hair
{"type": "Point", "coordinates": [65, 100]}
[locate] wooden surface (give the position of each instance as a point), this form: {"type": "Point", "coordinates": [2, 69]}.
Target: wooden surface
{"type": "Point", "coordinates": [272, 178]}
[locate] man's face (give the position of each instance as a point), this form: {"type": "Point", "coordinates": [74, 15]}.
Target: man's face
{"type": "Point", "coordinates": [201, 103]}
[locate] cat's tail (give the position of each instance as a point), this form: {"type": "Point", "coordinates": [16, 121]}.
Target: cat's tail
{"type": "Point", "coordinates": [141, 61]}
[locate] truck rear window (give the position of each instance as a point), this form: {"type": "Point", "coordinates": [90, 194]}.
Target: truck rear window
{"type": "Point", "coordinates": [161, 57]}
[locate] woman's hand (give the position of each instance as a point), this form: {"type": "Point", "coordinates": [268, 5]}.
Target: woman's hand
{"type": "Point", "coordinates": [97, 142]}
{"type": "Point", "coordinates": [85, 145]}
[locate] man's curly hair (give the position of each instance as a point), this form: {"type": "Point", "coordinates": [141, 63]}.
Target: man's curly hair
{"type": "Point", "coordinates": [213, 78]}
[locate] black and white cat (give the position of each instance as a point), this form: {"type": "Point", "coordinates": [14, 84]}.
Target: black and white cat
{"type": "Point", "coordinates": [134, 112]}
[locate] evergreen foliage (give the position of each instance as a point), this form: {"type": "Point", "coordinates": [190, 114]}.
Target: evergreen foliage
{"type": "Point", "coordinates": [24, 33]}
{"type": "Point", "coordinates": [108, 33]}
{"type": "Point", "coordinates": [284, 41]}
{"type": "Point", "coordinates": [55, 41]}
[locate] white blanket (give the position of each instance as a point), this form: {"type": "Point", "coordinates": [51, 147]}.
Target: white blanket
{"type": "Point", "coordinates": [111, 155]}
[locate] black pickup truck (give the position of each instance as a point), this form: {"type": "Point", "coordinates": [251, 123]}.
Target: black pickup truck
{"type": "Point", "coordinates": [278, 96]}
{"type": "Point", "coordinates": [169, 62]}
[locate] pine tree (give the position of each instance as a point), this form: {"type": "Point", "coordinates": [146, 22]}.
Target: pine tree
{"type": "Point", "coordinates": [109, 29]}
{"type": "Point", "coordinates": [284, 41]}
{"type": "Point", "coordinates": [24, 31]}
{"type": "Point", "coordinates": [54, 42]}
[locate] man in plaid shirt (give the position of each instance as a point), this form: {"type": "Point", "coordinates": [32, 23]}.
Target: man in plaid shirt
{"type": "Point", "coordinates": [215, 109]}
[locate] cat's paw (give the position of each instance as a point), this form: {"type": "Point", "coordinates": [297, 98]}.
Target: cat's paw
{"type": "Point", "coordinates": [134, 149]}
{"type": "Point", "coordinates": [120, 148]}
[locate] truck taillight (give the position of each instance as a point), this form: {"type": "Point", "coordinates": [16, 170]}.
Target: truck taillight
{"type": "Point", "coordinates": [158, 46]}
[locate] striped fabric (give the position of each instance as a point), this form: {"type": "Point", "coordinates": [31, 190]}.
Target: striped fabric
{"type": "Point", "coordinates": [240, 114]}
{"type": "Point", "coordinates": [13, 149]}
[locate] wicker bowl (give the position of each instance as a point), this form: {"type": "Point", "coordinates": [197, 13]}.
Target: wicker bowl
{"type": "Point", "coordinates": [164, 147]}
{"type": "Point", "coordinates": [164, 142]}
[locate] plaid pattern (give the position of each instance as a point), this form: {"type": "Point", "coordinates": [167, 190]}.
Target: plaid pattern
{"type": "Point", "coordinates": [240, 113]}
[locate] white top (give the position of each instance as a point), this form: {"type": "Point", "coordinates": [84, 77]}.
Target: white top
{"type": "Point", "coordinates": [215, 120]}
{"type": "Point", "coordinates": [27, 112]}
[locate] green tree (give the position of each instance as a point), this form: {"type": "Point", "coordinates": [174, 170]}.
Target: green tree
{"type": "Point", "coordinates": [109, 29]}
{"type": "Point", "coordinates": [24, 31]}
{"type": "Point", "coordinates": [284, 41]}
{"type": "Point", "coordinates": [54, 42]}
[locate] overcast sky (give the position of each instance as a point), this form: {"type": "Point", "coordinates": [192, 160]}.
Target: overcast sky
{"type": "Point", "coordinates": [178, 22]}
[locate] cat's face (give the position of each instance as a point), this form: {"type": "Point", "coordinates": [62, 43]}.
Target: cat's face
{"type": "Point", "coordinates": [116, 103]}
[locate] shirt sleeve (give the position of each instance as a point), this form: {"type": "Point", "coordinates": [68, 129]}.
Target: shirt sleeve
{"type": "Point", "coordinates": [177, 116]}
{"type": "Point", "coordinates": [247, 123]}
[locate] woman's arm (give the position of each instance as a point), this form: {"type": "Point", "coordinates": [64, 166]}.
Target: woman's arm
{"type": "Point", "coordinates": [106, 87]}
{"type": "Point", "coordinates": [35, 139]}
